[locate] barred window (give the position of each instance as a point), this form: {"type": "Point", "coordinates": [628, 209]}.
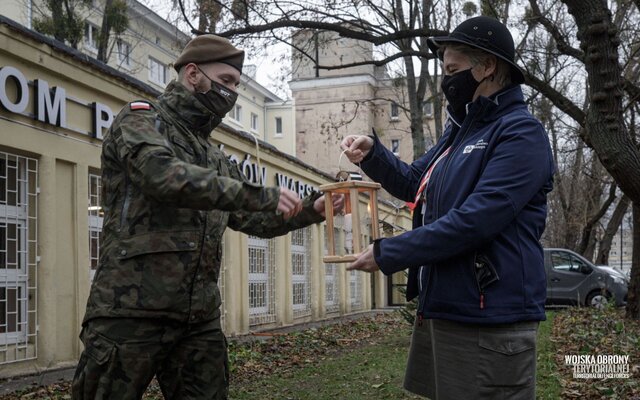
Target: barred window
{"type": "Point", "coordinates": [261, 280]}
{"type": "Point", "coordinates": [221, 279]}
{"type": "Point", "coordinates": [95, 223]}
{"type": "Point", "coordinates": [18, 257]}
{"type": "Point", "coordinates": [300, 269]}
{"type": "Point", "coordinates": [331, 298]}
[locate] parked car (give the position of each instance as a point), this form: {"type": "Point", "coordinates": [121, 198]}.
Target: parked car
{"type": "Point", "coordinates": [573, 280]}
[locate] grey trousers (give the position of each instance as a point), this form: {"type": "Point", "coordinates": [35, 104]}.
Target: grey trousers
{"type": "Point", "coordinates": [451, 360]}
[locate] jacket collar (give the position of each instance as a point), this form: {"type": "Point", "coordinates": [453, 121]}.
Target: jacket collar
{"type": "Point", "coordinates": [183, 107]}
{"type": "Point", "coordinates": [492, 107]}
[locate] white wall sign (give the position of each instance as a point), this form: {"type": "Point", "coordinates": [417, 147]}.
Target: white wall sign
{"type": "Point", "coordinates": [50, 104]}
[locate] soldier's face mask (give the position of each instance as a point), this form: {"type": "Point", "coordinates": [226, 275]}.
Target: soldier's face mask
{"type": "Point", "coordinates": [219, 100]}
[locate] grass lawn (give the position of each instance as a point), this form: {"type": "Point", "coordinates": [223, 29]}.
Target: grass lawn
{"type": "Point", "coordinates": [373, 371]}
{"type": "Point", "coordinates": [547, 379]}
{"type": "Point", "coordinates": [365, 359]}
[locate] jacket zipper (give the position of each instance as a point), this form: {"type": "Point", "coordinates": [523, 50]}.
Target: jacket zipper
{"type": "Point", "coordinates": [446, 166]}
{"type": "Point", "coordinates": [420, 311]}
{"type": "Point", "coordinates": [437, 215]}
{"type": "Point", "coordinates": [202, 244]}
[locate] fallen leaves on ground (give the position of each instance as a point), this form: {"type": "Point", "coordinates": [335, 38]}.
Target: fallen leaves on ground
{"type": "Point", "coordinates": [266, 353]}
{"type": "Point", "coordinates": [283, 352]}
{"type": "Point", "coordinates": [589, 331]}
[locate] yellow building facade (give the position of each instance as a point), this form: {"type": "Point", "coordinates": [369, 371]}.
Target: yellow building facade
{"type": "Point", "coordinates": [55, 105]}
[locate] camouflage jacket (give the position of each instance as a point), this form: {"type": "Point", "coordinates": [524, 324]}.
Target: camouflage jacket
{"type": "Point", "coordinates": [168, 195]}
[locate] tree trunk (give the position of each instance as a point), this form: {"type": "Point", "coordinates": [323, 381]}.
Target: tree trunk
{"type": "Point", "coordinates": [612, 227]}
{"type": "Point", "coordinates": [103, 39]}
{"type": "Point", "coordinates": [417, 130]}
{"type": "Point", "coordinates": [633, 298]}
{"type": "Point", "coordinates": [606, 131]}
{"type": "Point", "coordinates": [587, 240]}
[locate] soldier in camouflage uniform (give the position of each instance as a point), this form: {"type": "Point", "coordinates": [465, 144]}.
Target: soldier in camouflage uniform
{"type": "Point", "coordinates": [169, 194]}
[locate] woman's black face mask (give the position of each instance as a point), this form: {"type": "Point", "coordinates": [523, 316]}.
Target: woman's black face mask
{"type": "Point", "coordinates": [219, 100]}
{"type": "Point", "coordinates": [459, 89]}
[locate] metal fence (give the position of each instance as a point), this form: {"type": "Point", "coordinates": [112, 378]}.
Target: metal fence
{"type": "Point", "coordinates": [18, 257]}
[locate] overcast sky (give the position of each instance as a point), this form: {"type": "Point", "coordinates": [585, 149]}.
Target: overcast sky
{"type": "Point", "coordinates": [267, 72]}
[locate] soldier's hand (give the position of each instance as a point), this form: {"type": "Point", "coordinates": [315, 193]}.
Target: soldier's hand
{"type": "Point", "coordinates": [338, 204]}
{"type": "Point", "coordinates": [356, 147]}
{"type": "Point", "coordinates": [289, 203]}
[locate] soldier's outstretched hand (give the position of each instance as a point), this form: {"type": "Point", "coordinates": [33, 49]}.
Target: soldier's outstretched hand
{"type": "Point", "coordinates": [356, 147]}
{"type": "Point", "coordinates": [338, 204]}
{"type": "Point", "coordinates": [289, 203]}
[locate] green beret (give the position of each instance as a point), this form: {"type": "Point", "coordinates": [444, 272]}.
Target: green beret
{"type": "Point", "coordinates": [210, 48]}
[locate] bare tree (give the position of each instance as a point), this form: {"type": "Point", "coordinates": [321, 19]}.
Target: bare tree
{"type": "Point", "coordinates": [604, 124]}
{"type": "Point", "coordinates": [398, 28]}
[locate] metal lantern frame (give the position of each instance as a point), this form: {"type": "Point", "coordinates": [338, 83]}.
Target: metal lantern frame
{"type": "Point", "coordinates": [351, 190]}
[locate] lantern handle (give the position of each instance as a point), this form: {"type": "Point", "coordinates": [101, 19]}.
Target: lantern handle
{"type": "Point", "coordinates": [340, 165]}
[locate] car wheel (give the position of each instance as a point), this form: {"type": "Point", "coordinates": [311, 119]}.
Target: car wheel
{"type": "Point", "coordinates": [598, 299]}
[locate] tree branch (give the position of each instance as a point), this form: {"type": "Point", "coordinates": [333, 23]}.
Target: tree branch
{"type": "Point", "coordinates": [329, 26]}
{"type": "Point", "coordinates": [557, 98]}
{"type": "Point", "coordinates": [561, 42]}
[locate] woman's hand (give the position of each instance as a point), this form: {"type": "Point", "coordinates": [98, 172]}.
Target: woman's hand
{"type": "Point", "coordinates": [365, 261]}
{"type": "Point", "coordinates": [356, 147]}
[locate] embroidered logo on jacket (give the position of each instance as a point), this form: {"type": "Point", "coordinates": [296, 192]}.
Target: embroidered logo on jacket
{"type": "Point", "coordinates": [480, 145]}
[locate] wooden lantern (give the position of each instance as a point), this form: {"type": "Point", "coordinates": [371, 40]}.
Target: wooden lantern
{"type": "Point", "coordinates": [351, 190]}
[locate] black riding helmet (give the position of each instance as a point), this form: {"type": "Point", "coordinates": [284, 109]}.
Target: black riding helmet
{"type": "Point", "coordinates": [486, 34]}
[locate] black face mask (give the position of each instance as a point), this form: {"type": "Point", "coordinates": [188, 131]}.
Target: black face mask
{"type": "Point", "coordinates": [219, 100]}
{"type": "Point", "coordinates": [459, 89]}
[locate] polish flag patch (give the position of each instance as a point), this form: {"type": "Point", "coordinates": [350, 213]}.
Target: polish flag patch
{"type": "Point", "coordinates": [139, 105]}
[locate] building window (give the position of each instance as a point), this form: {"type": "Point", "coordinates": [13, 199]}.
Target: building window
{"type": "Point", "coordinates": [254, 122]}
{"type": "Point", "coordinates": [262, 307]}
{"type": "Point", "coordinates": [91, 37]}
{"type": "Point", "coordinates": [279, 126]}
{"type": "Point", "coordinates": [157, 72]}
{"type": "Point", "coordinates": [95, 223]}
{"type": "Point", "coordinates": [158, 40]}
{"type": "Point", "coordinates": [300, 269]}
{"type": "Point", "coordinates": [395, 111]}
{"type": "Point", "coordinates": [124, 53]}
{"type": "Point", "coordinates": [236, 113]}
{"type": "Point", "coordinates": [395, 147]}
{"type": "Point", "coordinates": [18, 257]}
{"type": "Point", "coordinates": [427, 109]}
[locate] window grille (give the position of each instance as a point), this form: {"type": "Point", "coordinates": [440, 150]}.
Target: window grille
{"type": "Point", "coordinates": [262, 304]}
{"type": "Point", "coordinates": [331, 282]}
{"type": "Point", "coordinates": [355, 285]}
{"type": "Point", "coordinates": [355, 290]}
{"type": "Point", "coordinates": [301, 271]}
{"type": "Point", "coordinates": [96, 216]}
{"type": "Point", "coordinates": [18, 257]}
{"type": "Point", "coordinates": [223, 269]}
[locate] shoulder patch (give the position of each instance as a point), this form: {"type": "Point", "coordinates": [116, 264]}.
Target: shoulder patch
{"type": "Point", "coordinates": [139, 105]}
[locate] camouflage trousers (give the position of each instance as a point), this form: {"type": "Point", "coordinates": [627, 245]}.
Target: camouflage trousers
{"type": "Point", "coordinates": [122, 355]}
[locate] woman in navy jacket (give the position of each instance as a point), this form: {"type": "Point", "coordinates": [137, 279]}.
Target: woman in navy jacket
{"type": "Point", "coordinates": [474, 255]}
